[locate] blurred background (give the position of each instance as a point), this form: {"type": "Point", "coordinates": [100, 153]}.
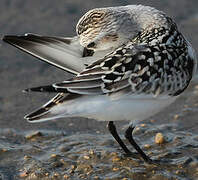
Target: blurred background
{"type": "Point", "coordinates": [25, 155]}
{"type": "Point", "coordinates": [19, 70]}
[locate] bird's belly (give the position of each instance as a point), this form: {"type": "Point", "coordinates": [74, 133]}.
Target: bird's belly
{"type": "Point", "coordinates": [130, 108]}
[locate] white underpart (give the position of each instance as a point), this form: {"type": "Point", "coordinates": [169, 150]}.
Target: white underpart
{"type": "Point", "coordinates": [104, 108]}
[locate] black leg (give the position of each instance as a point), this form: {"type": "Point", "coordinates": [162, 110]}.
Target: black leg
{"type": "Point", "coordinates": [129, 136]}
{"type": "Point", "coordinates": [114, 133]}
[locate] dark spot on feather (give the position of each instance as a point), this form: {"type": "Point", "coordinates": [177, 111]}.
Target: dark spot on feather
{"type": "Point", "coordinates": [130, 66]}
{"type": "Point", "coordinates": [87, 52]}
{"type": "Point", "coordinates": [153, 70]}
{"type": "Point", "coordinates": [164, 40]}
{"type": "Point", "coordinates": [111, 77]}
{"type": "Point", "coordinates": [119, 52]}
{"type": "Point", "coordinates": [119, 69]}
{"type": "Point", "coordinates": [91, 45]}
{"type": "Point", "coordinates": [145, 77]}
{"type": "Point", "coordinates": [110, 63]}
{"type": "Point", "coordinates": [160, 64]}
{"type": "Point", "coordinates": [163, 56]}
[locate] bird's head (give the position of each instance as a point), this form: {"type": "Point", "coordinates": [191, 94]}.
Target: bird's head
{"type": "Point", "coordinates": [109, 28]}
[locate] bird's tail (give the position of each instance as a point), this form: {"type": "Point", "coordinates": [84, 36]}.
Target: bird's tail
{"type": "Point", "coordinates": [52, 109]}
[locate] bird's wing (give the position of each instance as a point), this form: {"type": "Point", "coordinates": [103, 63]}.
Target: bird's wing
{"type": "Point", "coordinates": [92, 81]}
{"type": "Point", "coordinates": [142, 68]}
{"type": "Point", "coordinates": [134, 69]}
{"type": "Point", "coordinates": [64, 53]}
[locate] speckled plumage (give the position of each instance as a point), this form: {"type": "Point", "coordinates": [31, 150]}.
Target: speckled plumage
{"type": "Point", "coordinates": [154, 62]}
{"type": "Point", "coordinates": [126, 51]}
{"type": "Point", "coordinates": [130, 62]}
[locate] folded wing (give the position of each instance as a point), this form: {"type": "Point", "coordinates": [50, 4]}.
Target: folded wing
{"type": "Point", "coordinates": [129, 69]}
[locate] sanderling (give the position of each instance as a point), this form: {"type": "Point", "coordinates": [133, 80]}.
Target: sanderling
{"type": "Point", "coordinates": [129, 63]}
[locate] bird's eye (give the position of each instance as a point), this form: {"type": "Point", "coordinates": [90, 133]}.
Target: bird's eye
{"type": "Point", "coordinates": [91, 45]}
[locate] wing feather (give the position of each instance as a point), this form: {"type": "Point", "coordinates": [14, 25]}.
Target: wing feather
{"type": "Point", "coordinates": [44, 112]}
{"type": "Point", "coordinates": [133, 70]}
{"type": "Point", "coordinates": [79, 84]}
{"type": "Point", "coordinates": [64, 53]}
{"type": "Point", "coordinates": [143, 68]}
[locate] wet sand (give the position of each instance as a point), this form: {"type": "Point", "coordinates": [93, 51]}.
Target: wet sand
{"type": "Point", "coordinates": [81, 148]}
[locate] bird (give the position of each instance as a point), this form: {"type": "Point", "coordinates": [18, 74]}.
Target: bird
{"type": "Point", "coordinates": [128, 63]}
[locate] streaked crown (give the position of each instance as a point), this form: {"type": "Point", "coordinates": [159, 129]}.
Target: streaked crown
{"type": "Point", "coordinates": [108, 28]}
